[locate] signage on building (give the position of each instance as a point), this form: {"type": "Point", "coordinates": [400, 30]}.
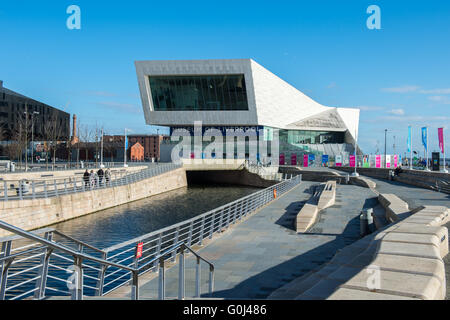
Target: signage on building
{"type": "Point", "coordinates": [228, 130]}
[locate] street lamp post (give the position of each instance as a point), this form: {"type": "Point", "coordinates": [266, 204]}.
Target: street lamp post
{"type": "Point", "coordinates": [356, 174]}
{"type": "Point", "coordinates": [125, 150]}
{"type": "Point", "coordinates": [385, 141]}
{"type": "Point", "coordinates": [101, 151]}
{"type": "Point", "coordinates": [26, 136]}
{"type": "Point", "coordinates": [32, 136]}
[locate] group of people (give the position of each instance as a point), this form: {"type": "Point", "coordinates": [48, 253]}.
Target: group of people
{"type": "Point", "coordinates": [91, 178]}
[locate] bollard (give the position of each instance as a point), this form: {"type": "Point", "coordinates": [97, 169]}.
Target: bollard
{"type": "Point", "coordinates": [366, 222]}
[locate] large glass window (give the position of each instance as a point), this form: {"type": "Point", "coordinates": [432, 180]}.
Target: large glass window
{"type": "Point", "coordinates": [210, 92]}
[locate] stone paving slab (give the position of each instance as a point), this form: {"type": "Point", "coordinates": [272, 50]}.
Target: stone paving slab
{"type": "Point", "coordinates": [263, 253]}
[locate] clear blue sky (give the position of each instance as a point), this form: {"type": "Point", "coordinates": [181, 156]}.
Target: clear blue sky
{"type": "Point", "coordinates": [398, 75]}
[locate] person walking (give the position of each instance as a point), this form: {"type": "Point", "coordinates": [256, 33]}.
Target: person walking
{"type": "Point", "coordinates": [86, 178]}
{"type": "Point", "coordinates": [100, 174]}
{"type": "Point", "coordinates": [107, 175]}
{"type": "Point", "coordinates": [92, 179]}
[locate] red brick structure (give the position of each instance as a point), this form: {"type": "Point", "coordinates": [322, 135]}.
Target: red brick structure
{"type": "Point", "coordinates": [151, 144]}
{"type": "Point", "coordinates": [137, 152]}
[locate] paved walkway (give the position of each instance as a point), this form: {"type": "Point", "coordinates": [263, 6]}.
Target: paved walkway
{"type": "Point", "coordinates": [264, 252]}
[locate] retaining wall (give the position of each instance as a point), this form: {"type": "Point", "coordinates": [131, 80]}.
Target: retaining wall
{"type": "Point", "coordinates": [33, 214]}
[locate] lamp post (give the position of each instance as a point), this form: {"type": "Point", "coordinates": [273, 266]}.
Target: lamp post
{"type": "Point", "coordinates": [32, 136]}
{"type": "Point", "coordinates": [385, 141]}
{"type": "Point", "coordinates": [26, 136]}
{"type": "Point", "coordinates": [356, 174]}
{"type": "Point", "coordinates": [125, 150]}
{"type": "Point", "coordinates": [101, 151]}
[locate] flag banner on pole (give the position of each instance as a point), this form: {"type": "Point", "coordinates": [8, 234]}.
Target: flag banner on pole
{"type": "Point", "coordinates": [338, 161]}
{"type": "Point", "coordinates": [378, 161]}
{"type": "Point", "coordinates": [424, 137]}
{"type": "Point", "coordinates": [409, 139]}
{"type": "Point", "coordinates": [441, 139]}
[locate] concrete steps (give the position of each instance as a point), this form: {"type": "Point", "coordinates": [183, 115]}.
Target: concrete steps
{"type": "Point", "coordinates": [402, 260]}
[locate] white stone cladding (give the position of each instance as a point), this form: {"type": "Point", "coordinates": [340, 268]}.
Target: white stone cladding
{"type": "Point", "coordinates": [271, 101]}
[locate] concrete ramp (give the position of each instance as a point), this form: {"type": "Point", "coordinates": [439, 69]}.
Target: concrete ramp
{"type": "Point", "coordinates": [323, 197]}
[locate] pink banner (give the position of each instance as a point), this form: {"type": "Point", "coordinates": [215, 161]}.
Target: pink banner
{"type": "Point", "coordinates": [293, 159]}
{"type": "Point", "coordinates": [395, 161]}
{"type": "Point", "coordinates": [441, 139]}
{"type": "Point", "coordinates": [281, 159]}
{"type": "Point", "coordinates": [305, 160]}
{"type": "Point", "coordinates": [378, 161]}
{"type": "Point", "coordinates": [352, 161]}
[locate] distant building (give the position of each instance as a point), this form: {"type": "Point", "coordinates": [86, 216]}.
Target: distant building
{"type": "Point", "coordinates": [137, 152]}
{"type": "Point", "coordinates": [151, 144]}
{"type": "Point", "coordinates": [18, 111]}
{"type": "Point", "coordinates": [239, 97]}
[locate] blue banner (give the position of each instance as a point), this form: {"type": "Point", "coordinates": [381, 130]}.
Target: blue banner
{"type": "Point", "coordinates": [409, 139]}
{"type": "Point", "coordinates": [324, 158]}
{"type": "Point", "coordinates": [424, 137]}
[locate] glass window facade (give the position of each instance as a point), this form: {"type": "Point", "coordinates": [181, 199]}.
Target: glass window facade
{"type": "Point", "coordinates": [311, 137]}
{"type": "Point", "coordinates": [201, 93]}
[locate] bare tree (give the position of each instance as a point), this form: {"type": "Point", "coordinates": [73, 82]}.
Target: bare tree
{"type": "Point", "coordinates": [53, 134]}
{"type": "Point", "coordinates": [85, 135]}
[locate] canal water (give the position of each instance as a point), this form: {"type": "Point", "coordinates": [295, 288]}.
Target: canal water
{"type": "Point", "coordinates": [115, 225]}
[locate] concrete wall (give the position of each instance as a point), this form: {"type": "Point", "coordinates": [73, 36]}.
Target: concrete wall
{"type": "Point", "coordinates": [236, 177]}
{"type": "Point", "coordinates": [416, 178]}
{"type": "Point", "coordinates": [33, 214]}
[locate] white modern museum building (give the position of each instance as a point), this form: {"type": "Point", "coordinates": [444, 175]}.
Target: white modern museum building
{"type": "Point", "coordinates": [241, 95]}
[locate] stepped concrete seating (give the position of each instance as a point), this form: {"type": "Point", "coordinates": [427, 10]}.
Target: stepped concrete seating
{"type": "Point", "coordinates": [328, 195]}
{"type": "Point", "coordinates": [402, 260]}
{"type": "Point", "coordinates": [363, 182]}
{"type": "Point", "coordinates": [324, 196]}
{"type": "Point", "coordinates": [395, 207]}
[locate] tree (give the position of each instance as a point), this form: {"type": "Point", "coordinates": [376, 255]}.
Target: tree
{"type": "Point", "coordinates": [53, 134]}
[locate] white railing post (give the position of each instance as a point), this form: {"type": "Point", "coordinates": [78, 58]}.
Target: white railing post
{"type": "Point", "coordinates": [161, 280]}
{"type": "Point", "coordinates": [197, 278]}
{"type": "Point", "coordinates": [5, 189]}
{"type": "Point", "coordinates": [181, 275]}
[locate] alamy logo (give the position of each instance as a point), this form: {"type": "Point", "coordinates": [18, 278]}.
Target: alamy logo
{"type": "Point", "coordinates": [74, 20]}
{"type": "Point", "coordinates": [374, 279]}
{"type": "Point", "coordinates": [374, 20]}
{"type": "Point", "coordinates": [72, 281]}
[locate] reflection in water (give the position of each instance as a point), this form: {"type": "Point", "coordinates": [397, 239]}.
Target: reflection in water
{"type": "Point", "coordinates": [111, 226]}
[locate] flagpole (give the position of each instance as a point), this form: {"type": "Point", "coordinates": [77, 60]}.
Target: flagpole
{"type": "Point", "coordinates": [443, 148]}
{"type": "Point", "coordinates": [411, 148]}
{"type": "Point", "coordinates": [426, 150]}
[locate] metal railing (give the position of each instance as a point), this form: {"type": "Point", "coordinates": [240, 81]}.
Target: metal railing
{"type": "Point", "coordinates": [192, 232]}
{"type": "Point", "coordinates": [43, 249]}
{"type": "Point", "coordinates": [62, 166]}
{"type": "Point", "coordinates": [44, 188]}
{"type": "Point", "coordinates": [59, 265]}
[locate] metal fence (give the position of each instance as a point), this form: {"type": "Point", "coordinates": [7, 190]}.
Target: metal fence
{"type": "Point", "coordinates": [193, 232]}
{"type": "Point", "coordinates": [54, 265]}
{"type": "Point", "coordinates": [44, 188]}
{"type": "Point", "coordinates": [5, 166]}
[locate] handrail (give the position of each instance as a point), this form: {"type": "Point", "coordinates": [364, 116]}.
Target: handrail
{"type": "Point", "coordinates": [54, 245]}
{"type": "Point", "coordinates": [170, 250]}
{"type": "Point", "coordinates": [184, 222]}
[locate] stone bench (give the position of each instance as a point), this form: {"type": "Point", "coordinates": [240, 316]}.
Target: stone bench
{"type": "Point", "coordinates": [407, 256]}
{"type": "Point", "coordinates": [323, 197]}
{"type": "Point", "coordinates": [403, 260]}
